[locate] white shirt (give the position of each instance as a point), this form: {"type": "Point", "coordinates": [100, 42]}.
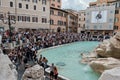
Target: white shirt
{"type": "Point", "coordinates": [0, 39]}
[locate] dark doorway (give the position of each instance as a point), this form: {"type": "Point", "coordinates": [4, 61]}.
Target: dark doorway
{"type": "Point", "coordinates": [58, 29]}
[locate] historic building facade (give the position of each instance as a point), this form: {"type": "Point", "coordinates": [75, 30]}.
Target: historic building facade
{"type": "Point", "coordinates": [62, 20]}
{"type": "Point", "coordinates": [115, 3]}
{"type": "Point", "coordinates": [58, 16]}
{"type": "Point", "coordinates": [72, 21]}
{"type": "Point", "coordinates": [56, 3]}
{"type": "Point", "coordinates": [81, 21]}
{"type": "Point", "coordinates": [100, 20]}
{"type": "Point", "coordinates": [32, 14]}
{"type": "Point", "coordinates": [58, 20]}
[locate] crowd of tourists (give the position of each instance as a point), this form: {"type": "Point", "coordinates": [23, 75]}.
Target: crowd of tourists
{"type": "Point", "coordinates": [47, 39]}
{"type": "Point", "coordinates": [44, 39]}
{"type": "Point", "coordinates": [33, 40]}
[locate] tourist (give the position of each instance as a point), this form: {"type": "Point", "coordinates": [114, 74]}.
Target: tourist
{"type": "Point", "coordinates": [55, 71]}
{"type": "Point", "coordinates": [52, 71]}
{"type": "Point", "coordinates": [0, 39]}
{"type": "Point", "coordinates": [35, 56]}
{"type": "Point", "coordinates": [40, 60]}
{"type": "Point", "coordinates": [44, 63]}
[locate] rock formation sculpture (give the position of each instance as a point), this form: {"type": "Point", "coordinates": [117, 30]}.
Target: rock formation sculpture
{"type": "Point", "coordinates": [110, 48]}
{"type": "Point", "coordinates": [113, 74]}
{"type": "Point", "coordinates": [34, 73]}
{"type": "Point", "coordinates": [7, 69]}
{"type": "Point", "coordinates": [101, 64]}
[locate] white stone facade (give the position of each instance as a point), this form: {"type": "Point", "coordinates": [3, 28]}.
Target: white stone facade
{"type": "Point", "coordinates": [33, 14]}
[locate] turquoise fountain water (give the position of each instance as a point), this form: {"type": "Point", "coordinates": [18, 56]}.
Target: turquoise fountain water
{"type": "Point", "coordinates": [67, 59]}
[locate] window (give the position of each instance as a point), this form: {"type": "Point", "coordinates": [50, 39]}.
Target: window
{"type": "Point", "coordinates": [1, 16]}
{"type": "Point", "coordinates": [20, 5]}
{"type": "Point", "coordinates": [34, 1]}
{"type": "Point", "coordinates": [52, 12]}
{"type": "Point", "coordinates": [116, 27]}
{"type": "Point", "coordinates": [51, 22]}
{"type": "Point", "coordinates": [64, 23]}
{"type": "Point", "coordinates": [65, 15]}
{"type": "Point", "coordinates": [44, 20]}
{"type": "Point", "coordinates": [58, 1]}
{"type": "Point", "coordinates": [58, 6]}
{"type": "Point", "coordinates": [116, 5]}
{"type": "Point", "coordinates": [12, 17]}
{"type": "Point", "coordinates": [23, 18]}
{"type": "Point", "coordinates": [44, 9]}
{"type": "Point", "coordinates": [34, 7]}
{"type": "Point", "coordinates": [19, 18]}
{"type": "Point", "coordinates": [44, 2]}
{"type": "Point", "coordinates": [110, 20]}
{"type": "Point", "coordinates": [60, 22]}
{"type": "Point", "coordinates": [11, 4]}
{"type": "Point", "coordinates": [110, 26]}
{"type": "Point", "coordinates": [116, 19]}
{"type": "Point", "coordinates": [27, 6]}
{"type": "Point", "coordinates": [116, 11]}
{"type": "Point", "coordinates": [60, 14]}
{"type": "Point", "coordinates": [34, 19]}
{"type": "Point", "coordinates": [53, 5]}
{"type": "Point", "coordinates": [28, 19]}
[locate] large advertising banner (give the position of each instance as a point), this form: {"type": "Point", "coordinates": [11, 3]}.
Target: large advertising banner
{"type": "Point", "coordinates": [99, 16]}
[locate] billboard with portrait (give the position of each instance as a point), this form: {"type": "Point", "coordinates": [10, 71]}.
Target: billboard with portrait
{"type": "Point", "coordinates": [99, 16]}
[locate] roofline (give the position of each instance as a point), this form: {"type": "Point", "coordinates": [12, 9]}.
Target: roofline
{"type": "Point", "coordinates": [58, 9]}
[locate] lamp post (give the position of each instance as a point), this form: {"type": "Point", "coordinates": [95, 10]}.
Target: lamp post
{"type": "Point", "coordinates": [9, 21]}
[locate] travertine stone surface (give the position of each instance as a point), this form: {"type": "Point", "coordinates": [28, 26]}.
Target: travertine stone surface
{"type": "Point", "coordinates": [113, 74]}
{"type": "Point", "coordinates": [7, 69]}
{"type": "Point", "coordinates": [34, 73]}
{"type": "Point", "coordinates": [110, 48]}
{"type": "Point", "coordinates": [101, 64]}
